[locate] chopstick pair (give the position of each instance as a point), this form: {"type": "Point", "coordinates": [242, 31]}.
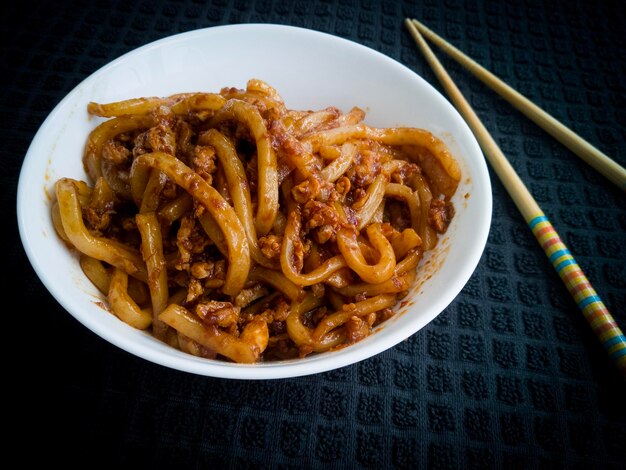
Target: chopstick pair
{"type": "Point", "coordinates": [595, 312]}
{"type": "Point", "coordinates": [587, 152]}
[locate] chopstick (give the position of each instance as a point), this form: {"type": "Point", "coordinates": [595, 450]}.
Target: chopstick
{"type": "Point", "coordinates": [587, 152]}
{"type": "Point", "coordinates": [595, 312]}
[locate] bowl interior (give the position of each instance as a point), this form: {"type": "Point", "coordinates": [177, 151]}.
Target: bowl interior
{"type": "Point", "coordinates": [310, 70]}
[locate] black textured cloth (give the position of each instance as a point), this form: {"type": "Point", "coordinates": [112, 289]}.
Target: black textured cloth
{"type": "Point", "coordinates": [508, 376]}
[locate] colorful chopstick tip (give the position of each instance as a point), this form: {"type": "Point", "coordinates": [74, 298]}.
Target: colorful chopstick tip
{"type": "Point", "coordinates": [586, 298]}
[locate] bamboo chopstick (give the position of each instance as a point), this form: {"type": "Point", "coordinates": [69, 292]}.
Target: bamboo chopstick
{"type": "Point", "coordinates": [599, 318]}
{"type": "Point", "coordinates": [587, 152]}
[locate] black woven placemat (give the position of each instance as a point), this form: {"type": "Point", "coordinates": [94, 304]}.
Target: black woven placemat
{"type": "Point", "coordinates": [509, 376]}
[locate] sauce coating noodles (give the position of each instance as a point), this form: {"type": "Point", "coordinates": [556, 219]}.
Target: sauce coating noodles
{"type": "Point", "coordinates": [235, 228]}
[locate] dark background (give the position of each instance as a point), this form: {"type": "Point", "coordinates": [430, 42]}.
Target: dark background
{"type": "Point", "coordinates": [508, 376]}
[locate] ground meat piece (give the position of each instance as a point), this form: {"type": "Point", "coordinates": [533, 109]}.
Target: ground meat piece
{"type": "Point", "coordinates": [306, 191]}
{"type": "Point", "coordinates": [317, 213]}
{"type": "Point", "coordinates": [230, 90]}
{"type": "Point", "coordinates": [360, 197]}
{"type": "Point", "coordinates": [270, 246]}
{"type": "Point", "coordinates": [159, 138]}
{"type": "Point", "coordinates": [281, 310]}
{"type": "Point", "coordinates": [383, 315]}
{"type": "Point", "coordinates": [98, 219]}
{"type": "Point", "coordinates": [194, 290]}
{"type": "Point", "coordinates": [325, 233]}
{"type": "Point", "coordinates": [356, 329]}
{"type": "Point", "coordinates": [190, 240]}
{"type": "Point", "coordinates": [366, 167]}
{"type": "Point", "coordinates": [351, 307]}
{"type": "Point", "coordinates": [223, 314]}
{"type": "Point", "coordinates": [182, 241]}
{"type": "Point", "coordinates": [440, 215]}
{"type": "Point", "coordinates": [274, 311]}
{"type": "Point", "coordinates": [219, 270]}
{"type": "Point", "coordinates": [202, 269]}
{"type": "Point", "coordinates": [116, 153]}
{"type": "Point", "coordinates": [115, 165]}
{"type": "Point", "coordinates": [213, 272]}
{"type": "Point", "coordinates": [405, 173]}
{"type": "Point", "coordinates": [203, 162]}
{"type": "Point", "coordinates": [342, 186]}
{"type": "Point", "coordinates": [170, 190]}
{"type": "Point", "coordinates": [327, 192]}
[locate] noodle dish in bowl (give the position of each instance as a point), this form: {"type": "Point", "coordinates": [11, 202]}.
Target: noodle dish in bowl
{"type": "Point", "coordinates": [228, 211]}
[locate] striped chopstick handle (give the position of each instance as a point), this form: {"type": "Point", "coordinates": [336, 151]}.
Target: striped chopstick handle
{"type": "Point", "coordinates": [599, 318]}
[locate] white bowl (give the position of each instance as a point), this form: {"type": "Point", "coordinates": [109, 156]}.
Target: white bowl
{"type": "Point", "coordinates": [311, 70]}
